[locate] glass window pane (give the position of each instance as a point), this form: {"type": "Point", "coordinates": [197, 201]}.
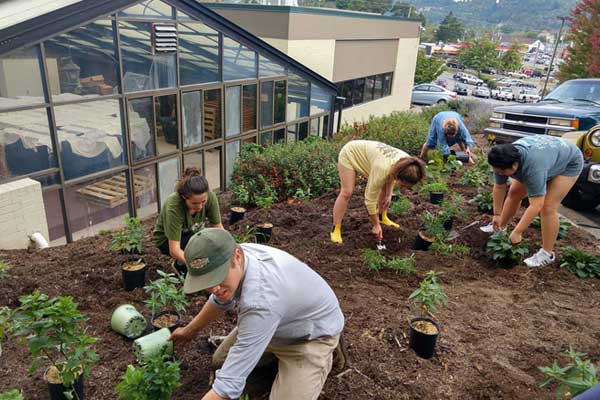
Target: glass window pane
{"type": "Point", "coordinates": [324, 126]}
{"type": "Point", "coordinates": [266, 104]}
{"type": "Point", "coordinates": [279, 136]}
{"type": "Point", "coordinates": [83, 62]}
{"type": "Point", "coordinates": [346, 92]}
{"type": "Point", "coordinates": [297, 98]}
{"type": "Point", "coordinates": [369, 87]}
{"type": "Point", "coordinates": [168, 174]}
{"type": "Point", "coordinates": [249, 108]}
{"type": "Point", "coordinates": [146, 202]}
{"type": "Point", "coordinates": [194, 159]}
{"type": "Point", "coordinates": [167, 133]}
{"type": "Point", "coordinates": [232, 150]}
{"type": "Point", "coordinates": [212, 166]}
{"type": "Point", "coordinates": [378, 87]}
{"type": "Point", "coordinates": [269, 68]}
{"type": "Point", "coordinates": [21, 78]}
{"type": "Point", "coordinates": [303, 130]}
{"type": "Point", "coordinates": [25, 144]}
{"type": "Point", "coordinates": [280, 101]}
{"type": "Point", "coordinates": [198, 54]}
{"type": "Point", "coordinates": [48, 180]}
{"type": "Point", "coordinates": [239, 62]}
{"type": "Point", "coordinates": [387, 84]}
{"type": "Point", "coordinates": [233, 115]}
{"type": "Point", "coordinates": [192, 118]}
{"type": "Point", "coordinates": [212, 114]}
{"type": "Point", "coordinates": [148, 9]}
{"type": "Point", "coordinates": [249, 140]}
{"type": "Point", "coordinates": [143, 70]}
{"type": "Point", "coordinates": [90, 137]}
{"type": "Point", "coordinates": [292, 133]}
{"type": "Point", "coordinates": [266, 138]}
{"type": "Point", "coordinates": [140, 117]}
{"type": "Point", "coordinates": [358, 91]}
{"type": "Point", "coordinates": [54, 216]}
{"type": "Point", "coordinates": [96, 205]}
{"type": "Point", "coordinates": [320, 100]}
{"type": "Point", "coordinates": [314, 127]}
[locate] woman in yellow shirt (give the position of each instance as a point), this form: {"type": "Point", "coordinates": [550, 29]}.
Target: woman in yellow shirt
{"type": "Point", "coordinates": [383, 165]}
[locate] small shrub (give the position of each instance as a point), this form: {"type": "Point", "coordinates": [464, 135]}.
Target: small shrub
{"type": "Point", "coordinates": [435, 187]}
{"type": "Point", "coordinates": [433, 226]}
{"type": "Point", "coordinates": [501, 250]}
{"type": "Point", "coordinates": [4, 267]}
{"type": "Point", "coordinates": [164, 293]}
{"type": "Point", "coordinates": [452, 207]}
{"type": "Point", "coordinates": [480, 175]}
{"type": "Point", "coordinates": [401, 207]}
{"type": "Point", "coordinates": [574, 378]}
{"type": "Point", "coordinates": [430, 294]}
{"type": "Point", "coordinates": [373, 259]}
{"type": "Point", "coordinates": [405, 266]}
{"type": "Point", "coordinates": [156, 379]}
{"type": "Point", "coordinates": [14, 394]}
{"type": "Point", "coordinates": [485, 202]}
{"type": "Point", "coordinates": [130, 238]}
{"type": "Point", "coordinates": [448, 249]}
{"type": "Point", "coordinates": [581, 264]}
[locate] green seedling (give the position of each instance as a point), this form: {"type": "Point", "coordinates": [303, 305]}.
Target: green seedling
{"type": "Point", "coordinates": [433, 226]}
{"type": "Point", "coordinates": [164, 293]}
{"type": "Point", "coordinates": [448, 249]}
{"type": "Point", "coordinates": [248, 235]}
{"type": "Point", "coordinates": [129, 239]}
{"type": "Point", "coordinates": [4, 267]}
{"type": "Point", "coordinates": [430, 294]}
{"type": "Point", "coordinates": [581, 264]}
{"type": "Point", "coordinates": [373, 259]}
{"type": "Point", "coordinates": [501, 250]}
{"type": "Point", "coordinates": [574, 378]}
{"type": "Point", "coordinates": [435, 187]}
{"type": "Point", "coordinates": [14, 394]}
{"type": "Point", "coordinates": [400, 207]}
{"type": "Point", "coordinates": [405, 266]}
{"type": "Point", "coordinates": [485, 202]}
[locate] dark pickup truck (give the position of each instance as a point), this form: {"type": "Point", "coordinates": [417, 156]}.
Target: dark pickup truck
{"type": "Point", "coordinates": [571, 110]}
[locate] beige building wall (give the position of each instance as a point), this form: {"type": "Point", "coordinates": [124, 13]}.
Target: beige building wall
{"type": "Point", "coordinates": [317, 55]}
{"type": "Point", "coordinates": [21, 213]}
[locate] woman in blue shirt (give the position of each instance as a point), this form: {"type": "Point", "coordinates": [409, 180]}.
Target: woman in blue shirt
{"type": "Point", "coordinates": [544, 168]}
{"type": "Point", "coordinates": [446, 130]}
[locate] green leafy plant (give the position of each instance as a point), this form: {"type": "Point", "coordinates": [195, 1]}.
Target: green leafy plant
{"type": "Point", "coordinates": [501, 250]}
{"type": "Point", "coordinates": [54, 331]}
{"type": "Point", "coordinates": [574, 378]}
{"type": "Point", "coordinates": [401, 206]}
{"type": "Point", "coordinates": [5, 323]}
{"type": "Point", "coordinates": [4, 267]}
{"type": "Point", "coordinates": [563, 227]}
{"type": "Point", "coordinates": [241, 195]}
{"type": "Point", "coordinates": [581, 264]}
{"type": "Point", "coordinates": [302, 194]}
{"type": "Point", "coordinates": [14, 394]}
{"type": "Point", "coordinates": [130, 238]}
{"type": "Point", "coordinates": [451, 207]}
{"type": "Point", "coordinates": [485, 202]}
{"type": "Point", "coordinates": [435, 187]}
{"type": "Point", "coordinates": [164, 293]}
{"type": "Point", "coordinates": [266, 198]}
{"type": "Point", "coordinates": [247, 235]}
{"type": "Point", "coordinates": [405, 266]}
{"type": "Point", "coordinates": [449, 249]}
{"type": "Point", "coordinates": [433, 226]}
{"type": "Point", "coordinates": [373, 259]}
{"type": "Point", "coordinates": [155, 379]}
{"type": "Point", "coordinates": [479, 175]}
{"type": "Point", "coordinates": [430, 294]}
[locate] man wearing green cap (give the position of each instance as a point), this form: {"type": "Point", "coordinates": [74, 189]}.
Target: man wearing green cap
{"type": "Point", "coordinates": [284, 308]}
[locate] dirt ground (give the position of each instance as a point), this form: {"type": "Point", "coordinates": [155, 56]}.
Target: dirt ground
{"type": "Point", "coordinates": [498, 327]}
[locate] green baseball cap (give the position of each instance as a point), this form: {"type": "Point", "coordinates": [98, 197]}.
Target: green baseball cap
{"type": "Point", "coordinates": [207, 256]}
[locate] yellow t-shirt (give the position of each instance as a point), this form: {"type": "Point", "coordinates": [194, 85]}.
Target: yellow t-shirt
{"type": "Point", "coordinates": [373, 160]}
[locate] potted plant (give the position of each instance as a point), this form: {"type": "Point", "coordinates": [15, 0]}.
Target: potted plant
{"type": "Point", "coordinates": [241, 196]}
{"type": "Point", "coordinates": [54, 331]}
{"type": "Point", "coordinates": [425, 330]}
{"type": "Point", "coordinates": [166, 300]}
{"type": "Point", "coordinates": [127, 321]}
{"type": "Point", "coordinates": [450, 209]}
{"type": "Point", "coordinates": [436, 191]}
{"type": "Point", "coordinates": [155, 379]}
{"type": "Point", "coordinates": [485, 202]}
{"type": "Point", "coordinates": [129, 241]}
{"type": "Point", "coordinates": [153, 344]}
{"type": "Point", "coordinates": [504, 252]}
{"type": "Point", "coordinates": [265, 200]}
{"type": "Point", "coordinates": [433, 229]}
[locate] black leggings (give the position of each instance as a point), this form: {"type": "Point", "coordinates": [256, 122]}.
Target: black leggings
{"type": "Point", "coordinates": [185, 238]}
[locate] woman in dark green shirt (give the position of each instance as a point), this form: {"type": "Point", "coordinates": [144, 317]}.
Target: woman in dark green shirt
{"type": "Point", "coordinates": [184, 213]}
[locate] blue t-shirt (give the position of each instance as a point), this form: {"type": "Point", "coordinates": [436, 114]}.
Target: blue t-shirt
{"type": "Point", "coordinates": [542, 158]}
{"type": "Point", "coordinates": [437, 136]}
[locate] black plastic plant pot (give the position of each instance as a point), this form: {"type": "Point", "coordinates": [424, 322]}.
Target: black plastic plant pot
{"type": "Point", "coordinates": [264, 233]}
{"type": "Point", "coordinates": [422, 243]}
{"type": "Point", "coordinates": [57, 390]}
{"type": "Point", "coordinates": [395, 197]}
{"type": "Point", "coordinates": [436, 198]}
{"type": "Point", "coordinates": [461, 156]}
{"type": "Point", "coordinates": [130, 252]}
{"type": "Point", "coordinates": [237, 214]}
{"type": "Point", "coordinates": [134, 273]}
{"type": "Point", "coordinates": [423, 343]}
{"type": "Point", "coordinates": [448, 223]}
{"type": "Point", "coordinates": [159, 323]}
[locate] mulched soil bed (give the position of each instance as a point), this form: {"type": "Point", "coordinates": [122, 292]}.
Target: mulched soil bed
{"type": "Point", "coordinates": [497, 328]}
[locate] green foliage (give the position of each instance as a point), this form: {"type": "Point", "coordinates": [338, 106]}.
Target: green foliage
{"type": "Point", "coordinates": [278, 171]}
{"type": "Point", "coordinates": [433, 225]}
{"type": "Point", "coordinates": [448, 249]}
{"type": "Point", "coordinates": [511, 60]}
{"type": "Point", "coordinates": [4, 267]}
{"type": "Point", "coordinates": [501, 250]}
{"type": "Point", "coordinates": [435, 187]}
{"type": "Point", "coordinates": [373, 259]}
{"type": "Point", "coordinates": [574, 378]}
{"type": "Point", "coordinates": [479, 54]}
{"type": "Point", "coordinates": [583, 60]}
{"type": "Point", "coordinates": [14, 394]}
{"type": "Point", "coordinates": [581, 264]}
{"type": "Point", "coordinates": [452, 207]}
{"type": "Point", "coordinates": [438, 168]}
{"type": "Point", "coordinates": [563, 227]}
{"type": "Point", "coordinates": [5, 324]}
{"type": "Point", "coordinates": [378, 7]}
{"type": "Point", "coordinates": [54, 331]}
{"type": "Point", "coordinates": [485, 201]}
{"type": "Point", "coordinates": [401, 206]}
{"type": "Point", "coordinates": [430, 294]}
{"type": "Point", "coordinates": [267, 197]}
{"type": "Point", "coordinates": [481, 174]}
{"type": "Point", "coordinates": [164, 293]}
{"type": "Point", "coordinates": [156, 379]}
{"type": "Point", "coordinates": [129, 239]}
{"type": "Point", "coordinates": [407, 10]}
{"type": "Point", "coordinates": [450, 29]}
{"type": "Point", "coordinates": [428, 68]}
{"type": "Point", "coordinates": [247, 235]}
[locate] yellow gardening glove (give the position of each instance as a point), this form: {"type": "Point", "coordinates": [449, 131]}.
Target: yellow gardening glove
{"type": "Point", "coordinates": [388, 222]}
{"type": "Point", "coordinates": [336, 234]}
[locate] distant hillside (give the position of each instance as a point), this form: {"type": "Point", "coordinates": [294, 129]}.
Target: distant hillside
{"type": "Point", "coordinates": [514, 15]}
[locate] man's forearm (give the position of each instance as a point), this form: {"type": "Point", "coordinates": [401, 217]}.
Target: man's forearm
{"type": "Point", "coordinates": [424, 151]}
{"type": "Point", "coordinates": [212, 395]}
{"type": "Point", "coordinates": [498, 194]}
{"type": "Point", "coordinates": [209, 313]}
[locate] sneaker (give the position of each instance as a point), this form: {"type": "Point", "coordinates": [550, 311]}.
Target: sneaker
{"type": "Point", "coordinates": [540, 259]}
{"type": "Point", "coordinates": [487, 228]}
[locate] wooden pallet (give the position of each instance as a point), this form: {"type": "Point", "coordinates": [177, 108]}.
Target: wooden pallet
{"type": "Point", "coordinates": [112, 192]}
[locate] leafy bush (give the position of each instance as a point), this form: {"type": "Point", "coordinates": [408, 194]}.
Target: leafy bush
{"type": "Point", "coordinates": [485, 202]}
{"type": "Point", "coordinates": [581, 264]}
{"type": "Point", "coordinates": [278, 171]}
{"type": "Point", "coordinates": [54, 331]}
{"type": "Point", "coordinates": [574, 378]}
{"type": "Point", "coordinates": [373, 259]}
{"type": "Point", "coordinates": [448, 249]}
{"type": "Point", "coordinates": [401, 207]}
{"type": "Point", "coordinates": [130, 238]}
{"type": "Point", "coordinates": [156, 379]}
{"type": "Point", "coordinates": [452, 207]}
{"type": "Point", "coordinates": [435, 187]}
{"type": "Point", "coordinates": [14, 394]}
{"type": "Point", "coordinates": [479, 175]}
{"type": "Point", "coordinates": [430, 294]}
{"type": "Point", "coordinates": [164, 293]}
{"type": "Point", "coordinates": [4, 267]}
{"type": "Point", "coordinates": [500, 249]}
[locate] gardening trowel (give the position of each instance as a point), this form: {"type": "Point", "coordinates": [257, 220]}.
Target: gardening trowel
{"type": "Point", "coordinates": [380, 245]}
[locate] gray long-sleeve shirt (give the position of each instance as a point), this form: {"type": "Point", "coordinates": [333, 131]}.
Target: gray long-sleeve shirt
{"type": "Point", "coordinates": [281, 301]}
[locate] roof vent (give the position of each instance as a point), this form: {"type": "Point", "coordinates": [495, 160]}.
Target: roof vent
{"type": "Point", "coordinates": [164, 38]}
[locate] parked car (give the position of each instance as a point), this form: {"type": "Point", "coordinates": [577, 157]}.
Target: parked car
{"type": "Point", "coordinates": [502, 93]}
{"type": "Point", "coordinates": [489, 71]}
{"type": "Point", "coordinates": [461, 88]}
{"type": "Point", "coordinates": [519, 75]}
{"type": "Point", "coordinates": [428, 93]}
{"type": "Point", "coordinates": [470, 79]}
{"type": "Point", "coordinates": [585, 195]}
{"type": "Point", "coordinates": [528, 96]}
{"type": "Point", "coordinates": [527, 71]}
{"type": "Point", "coordinates": [528, 85]}
{"type": "Point", "coordinates": [482, 91]}
{"type": "Point", "coordinates": [537, 74]}
{"type": "Point", "coordinates": [457, 76]}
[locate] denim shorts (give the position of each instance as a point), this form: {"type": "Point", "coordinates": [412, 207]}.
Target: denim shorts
{"type": "Point", "coordinates": [575, 166]}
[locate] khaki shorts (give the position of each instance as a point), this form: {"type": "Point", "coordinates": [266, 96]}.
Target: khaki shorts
{"type": "Point", "coordinates": [344, 160]}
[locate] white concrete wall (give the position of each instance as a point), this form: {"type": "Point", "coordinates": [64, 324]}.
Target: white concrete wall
{"type": "Point", "coordinates": [317, 55]}
{"type": "Point", "coordinates": [21, 213]}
